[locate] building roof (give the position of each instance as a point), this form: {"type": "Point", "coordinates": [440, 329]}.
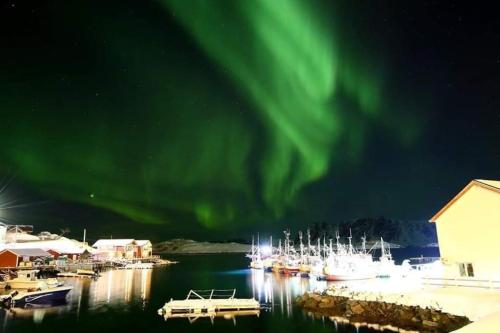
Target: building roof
{"type": "Point", "coordinates": [62, 245]}
{"type": "Point", "coordinates": [493, 185]}
{"type": "Point", "coordinates": [113, 242]}
{"type": "Point", "coordinates": [28, 252]}
{"type": "Point", "coordinates": [143, 242]}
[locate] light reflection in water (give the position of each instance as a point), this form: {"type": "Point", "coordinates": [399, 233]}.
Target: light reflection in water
{"type": "Point", "coordinates": [266, 286]}
{"type": "Point", "coordinates": [113, 288]}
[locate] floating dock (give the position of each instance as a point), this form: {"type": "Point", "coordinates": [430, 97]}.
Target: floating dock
{"type": "Point", "coordinates": [209, 303]}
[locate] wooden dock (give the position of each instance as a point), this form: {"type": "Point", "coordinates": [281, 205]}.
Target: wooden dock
{"type": "Point", "coordinates": [209, 303]}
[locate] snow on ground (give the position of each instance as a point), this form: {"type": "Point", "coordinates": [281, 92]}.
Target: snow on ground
{"type": "Point", "coordinates": [480, 305]}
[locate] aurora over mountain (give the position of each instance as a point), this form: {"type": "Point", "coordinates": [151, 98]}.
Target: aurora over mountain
{"type": "Point", "coordinates": [227, 115]}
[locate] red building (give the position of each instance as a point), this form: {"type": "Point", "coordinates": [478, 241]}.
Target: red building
{"type": "Point", "coordinates": [13, 257]}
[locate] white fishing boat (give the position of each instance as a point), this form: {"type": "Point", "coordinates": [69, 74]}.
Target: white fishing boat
{"type": "Point", "coordinates": [255, 256]}
{"type": "Point", "coordinates": [210, 302]}
{"type": "Point", "coordinates": [347, 264]}
{"type": "Point", "coordinates": [385, 265]}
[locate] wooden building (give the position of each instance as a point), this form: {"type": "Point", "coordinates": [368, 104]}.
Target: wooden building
{"type": "Point", "coordinates": [144, 248]}
{"type": "Point", "coordinates": [123, 248]}
{"type": "Point", "coordinates": [468, 230]}
{"type": "Point", "coordinates": [115, 248]}
{"type": "Point", "coordinates": [21, 257]}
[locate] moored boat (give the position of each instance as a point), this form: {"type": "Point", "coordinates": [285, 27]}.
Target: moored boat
{"type": "Point", "coordinates": [44, 296]}
{"type": "Point", "coordinates": [28, 279]}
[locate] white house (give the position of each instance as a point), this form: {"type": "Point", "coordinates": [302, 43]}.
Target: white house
{"type": "Point", "coordinates": [115, 248]}
{"type": "Point", "coordinates": [468, 230]}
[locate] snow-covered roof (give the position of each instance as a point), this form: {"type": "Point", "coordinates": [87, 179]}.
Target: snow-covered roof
{"type": "Point", "coordinates": [142, 242]}
{"type": "Point", "coordinates": [29, 252]}
{"type": "Point", "coordinates": [62, 245]}
{"type": "Point", "coordinates": [20, 237]}
{"type": "Point", "coordinates": [112, 242]}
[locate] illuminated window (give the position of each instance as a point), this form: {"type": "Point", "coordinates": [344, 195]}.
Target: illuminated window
{"type": "Point", "coordinates": [466, 269]}
{"type": "Point", "coordinates": [470, 270]}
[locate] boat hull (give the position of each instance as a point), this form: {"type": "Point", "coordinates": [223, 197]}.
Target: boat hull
{"type": "Point", "coordinates": [348, 277]}
{"type": "Point", "coordinates": [46, 296]}
{"type": "Point", "coordinates": [291, 270]}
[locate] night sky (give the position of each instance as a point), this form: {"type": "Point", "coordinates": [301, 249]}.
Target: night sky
{"type": "Point", "coordinates": [214, 119]}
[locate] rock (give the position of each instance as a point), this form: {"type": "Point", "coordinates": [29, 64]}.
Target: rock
{"type": "Point", "coordinates": [325, 305]}
{"type": "Point", "coordinates": [356, 308]}
{"type": "Point", "coordinates": [310, 303]}
{"type": "Point", "coordinates": [428, 323]}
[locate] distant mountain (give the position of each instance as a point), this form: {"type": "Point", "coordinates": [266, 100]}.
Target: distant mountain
{"type": "Point", "coordinates": [189, 246]}
{"type": "Point", "coordinates": [404, 233]}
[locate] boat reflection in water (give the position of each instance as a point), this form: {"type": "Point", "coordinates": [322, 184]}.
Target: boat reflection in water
{"type": "Point", "coordinates": [115, 288]}
{"type": "Point", "coordinates": [278, 291]}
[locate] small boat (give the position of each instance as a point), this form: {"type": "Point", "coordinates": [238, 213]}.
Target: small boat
{"type": "Point", "coordinates": [86, 272]}
{"type": "Point", "coordinates": [138, 265]}
{"type": "Point", "coordinates": [209, 303]}
{"type": "Point", "coordinates": [27, 279]}
{"type": "Point", "coordinates": [44, 296]}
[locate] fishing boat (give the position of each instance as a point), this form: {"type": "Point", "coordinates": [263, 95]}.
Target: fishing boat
{"type": "Point", "coordinates": [43, 296]}
{"type": "Point", "coordinates": [385, 265]}
{"type": "Point", "coordinates": [255, 255]}
{"type": "Point", "coordinates": [210, 303]}
{"type": "Point", "coordinates": [346, 264]}
{"type": "Point", "coordinates": [27, 279]}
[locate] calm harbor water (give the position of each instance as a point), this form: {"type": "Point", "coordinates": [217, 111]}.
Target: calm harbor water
{"type": "Point", "coordinates": [128, 300]}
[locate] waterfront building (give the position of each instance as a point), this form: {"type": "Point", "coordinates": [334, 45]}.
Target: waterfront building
{"type": "Point", "coordinates": [467, 230]}
{"type": "Point", "coordinates": [123, 248]}
{"type": "Point", "coordinates": [72, 249]}
{"type": "Point", "coordinates": [11, 258]}
{"type": "Point", "coordinates": [144, 248]}
{"type": "Point", "coordinates": [115, 248]}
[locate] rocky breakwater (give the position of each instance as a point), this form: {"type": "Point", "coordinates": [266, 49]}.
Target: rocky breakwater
{"type": "Point", "coordinates": [367, 312]}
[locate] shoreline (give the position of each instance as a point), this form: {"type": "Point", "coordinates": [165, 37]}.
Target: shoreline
{"type": "Point", "coordinates": [377, 313]}
{"type": "Point", "coordinates": [412, 293]}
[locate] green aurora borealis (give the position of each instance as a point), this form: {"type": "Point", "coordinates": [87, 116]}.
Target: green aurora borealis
{"type": "Point", "coordinates": [220, 113]}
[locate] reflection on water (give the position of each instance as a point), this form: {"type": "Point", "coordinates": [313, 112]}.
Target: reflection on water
{"type": "Point", "coordinates": [116, 288]}
{"type": "Point", "coordinates": [279, 291]}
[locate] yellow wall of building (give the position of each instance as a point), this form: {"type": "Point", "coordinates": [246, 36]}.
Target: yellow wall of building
{"type": "Point", "coordinates": [469, 231]}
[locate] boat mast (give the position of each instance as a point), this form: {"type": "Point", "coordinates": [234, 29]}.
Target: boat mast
{"type": "Point", "coordinates": [337, 236]}
{"type": "Point", "coordinates": [350, 241]}
{"type": "Point", "coordinates": [253, 247]}
{"type": "Point", "coordinates": [308, 243]}
{"type": "Point", "coordinates": [301, 245]}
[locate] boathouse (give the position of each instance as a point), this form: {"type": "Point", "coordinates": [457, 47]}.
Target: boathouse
{"type": "Point", "coordinates": [10, 258]}
{"type": "Point", "coordinates": [115, 248]}
{"type": "Point", "coordinates": [123, 248]}
{"type": "Point", "coordinates": [72, 249]}
{"type": "Point", "coordinates": [468, 228]}
{"type": "Point", "coordinates": [144, 248]}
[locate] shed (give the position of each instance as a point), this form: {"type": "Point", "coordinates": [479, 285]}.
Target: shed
{"type": "Point", "coordinates": [13, 257]}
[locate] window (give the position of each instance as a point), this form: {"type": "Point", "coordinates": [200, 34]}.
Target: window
{"type": "Point", "coordinates": [470, 270]}
{"type": "Point", "coordinates": [466, 269]}
{"type": "Point", "coordinates": [461, 268]}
